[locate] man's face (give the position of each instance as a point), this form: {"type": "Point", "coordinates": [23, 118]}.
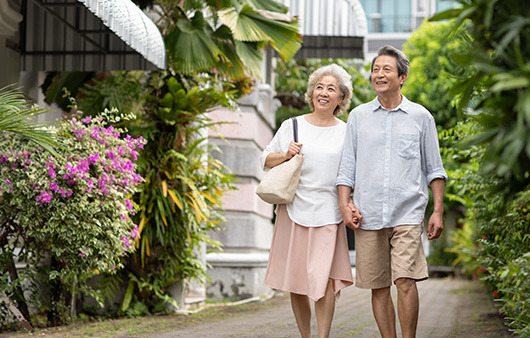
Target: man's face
{"type": "Point", "coordinates": [385, 79]}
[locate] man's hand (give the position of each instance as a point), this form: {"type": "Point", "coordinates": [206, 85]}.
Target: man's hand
{"type": "Point", "coordinates": [350, 215]}
{"type": "Point", "coordinates": [436, 225]}
{"type": "Point", "coordinates": [436, 222]}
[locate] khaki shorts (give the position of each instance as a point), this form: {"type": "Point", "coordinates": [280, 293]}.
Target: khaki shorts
{"type": "Point", "coordinates": [382, 256]}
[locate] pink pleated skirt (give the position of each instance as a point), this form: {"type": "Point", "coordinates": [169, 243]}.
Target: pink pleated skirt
{"type": "Point", "coordinates": [303, 259]}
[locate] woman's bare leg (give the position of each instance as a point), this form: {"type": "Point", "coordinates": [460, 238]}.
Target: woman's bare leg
{"type": "Point", "coordinates": [302, 314]}
{"type": "Point", "coordinates": [324, 310]}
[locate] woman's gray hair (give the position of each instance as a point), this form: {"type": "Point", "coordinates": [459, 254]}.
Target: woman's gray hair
{"type": "Point", "coordinates": [345, 86]}
{"type": "Point", "coordinates": [402, 60]}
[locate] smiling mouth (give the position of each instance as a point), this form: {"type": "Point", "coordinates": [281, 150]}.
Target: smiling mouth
{"type": "Point", "coordinates": [323, 101]}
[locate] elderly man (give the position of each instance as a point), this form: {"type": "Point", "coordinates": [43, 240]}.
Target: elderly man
{"type": "Point", "coordinates": [390, 157]}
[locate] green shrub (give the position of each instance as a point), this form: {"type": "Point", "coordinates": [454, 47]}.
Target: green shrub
{"type": "Point", "coordinates": [505, 253]}
{"type": "Point", "coordinates": [494, 242]}
{"type": "Point", "coordinates": [68, 216]}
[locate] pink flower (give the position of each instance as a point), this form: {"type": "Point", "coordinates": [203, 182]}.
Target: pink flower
{"type": "Point", "coordinates": [8, 181]}
{"type": "Point", "coordinates": [79, 133]}
{"type": "Point", "coordinates": [54, 187]}
{"type": "Point", "coordinates": [134, 232]}
{"type": "Point", "coordinates": [44, 197]}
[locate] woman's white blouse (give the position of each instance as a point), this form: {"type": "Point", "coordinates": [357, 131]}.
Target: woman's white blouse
{"type": "Point", "coordinates": [316, 202]}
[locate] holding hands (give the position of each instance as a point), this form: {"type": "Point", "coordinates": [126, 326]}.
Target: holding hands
{"type": "Point", "coordinates": [351, 215]}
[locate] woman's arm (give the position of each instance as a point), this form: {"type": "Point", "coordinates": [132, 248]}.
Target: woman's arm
{"type": "Point", "coordinates": [273, 159]}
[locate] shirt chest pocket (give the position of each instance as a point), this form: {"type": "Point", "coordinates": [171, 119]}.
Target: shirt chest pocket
{"type": "Point", "coordinates": [408, 146]}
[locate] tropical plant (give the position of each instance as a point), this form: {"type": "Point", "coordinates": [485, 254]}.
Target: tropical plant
{"type": "Point", "coordinates": [183, 186]}
{"type": "Point", "coordinates": [69, 215]}
{"type": "Point", "coordinates": [500, 46]}
{"type": "Point", "coordinates": [15, 116]}
{"type": "Point", "coordinates": [225, 37]}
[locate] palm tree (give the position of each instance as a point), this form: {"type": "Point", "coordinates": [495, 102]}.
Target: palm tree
{"type": "Point", "coordinates": [16, 117]}
{"type": "Point", "coordinates": [225, 37]}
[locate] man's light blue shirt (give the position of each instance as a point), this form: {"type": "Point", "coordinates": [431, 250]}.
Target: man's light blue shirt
{"type": "Point", "coordinates": [389, 158]}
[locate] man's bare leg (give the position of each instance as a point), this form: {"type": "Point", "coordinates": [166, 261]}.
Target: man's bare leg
{"type": "Point", "coordinates": [384, 314]}
{"type": "Point", "coordinates": [408, 306]}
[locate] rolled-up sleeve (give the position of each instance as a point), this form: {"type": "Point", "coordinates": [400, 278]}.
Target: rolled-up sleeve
{"type": "Point", "coordinates": [432, 164]}
{"type": "Point", "coordinates": [346, 173]}
{"type": "Point", "coordinates": [279, 143]}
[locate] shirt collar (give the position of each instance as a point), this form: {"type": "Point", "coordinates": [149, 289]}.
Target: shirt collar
{"type": "Point", "coordinates": [403, 106]}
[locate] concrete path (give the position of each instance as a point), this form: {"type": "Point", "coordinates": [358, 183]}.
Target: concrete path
{"type": "Point", "coordinates": [448, 308]}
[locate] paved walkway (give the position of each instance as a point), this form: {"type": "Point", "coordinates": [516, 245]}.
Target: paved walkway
{"type": "Point", "coordinates": [448, 308]}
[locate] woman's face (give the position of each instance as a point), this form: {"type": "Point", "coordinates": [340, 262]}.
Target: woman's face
{"type": "Point", "coordinates": [326, 94]}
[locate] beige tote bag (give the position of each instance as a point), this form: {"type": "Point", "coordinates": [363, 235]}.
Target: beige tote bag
{"type": "Point", "coordinates": [279, 184]}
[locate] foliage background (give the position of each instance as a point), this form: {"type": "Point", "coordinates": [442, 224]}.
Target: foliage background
{"type": "Point", "coordinates": [494, 149]}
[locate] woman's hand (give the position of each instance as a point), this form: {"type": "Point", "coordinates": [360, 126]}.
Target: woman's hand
{"type": "Point", "coordinates": [351, 215]}
{"type": "Point", "coordinates": [294, 148]}
{"type": "Point", "coordinates": [273, 159]}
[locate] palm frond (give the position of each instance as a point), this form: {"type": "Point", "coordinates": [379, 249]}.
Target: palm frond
{"type": "Point", "coordinates": [16, 118]}
{"type": "Point", "coordinates": [191, 46]}
{"type": "Point", "coordinates": [253, 26]}
{"type": "Point", "coordinates": [268, 5]}
{"type": "Point", "coordinates": [243, 27]}
{"type": "Point", "coordinates": [251, 57]}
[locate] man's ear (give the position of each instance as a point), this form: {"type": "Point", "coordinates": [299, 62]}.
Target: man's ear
{"type": "Point", "coordinates": [403, 78]}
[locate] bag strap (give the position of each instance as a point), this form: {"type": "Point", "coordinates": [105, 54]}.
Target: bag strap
{"type": "Point", "coordinates": [295, 129]}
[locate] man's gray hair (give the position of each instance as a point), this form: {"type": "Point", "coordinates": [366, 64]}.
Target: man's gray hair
{"type": "Point", "coordinates": [402, 60]}
{"type": "Point", "coordinates": [345, 86]}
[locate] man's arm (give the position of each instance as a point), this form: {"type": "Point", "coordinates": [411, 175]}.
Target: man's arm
{"type": "Point", "coordinates": [436, 226]}
{"type": "Point", "coordinates": [350, 214]}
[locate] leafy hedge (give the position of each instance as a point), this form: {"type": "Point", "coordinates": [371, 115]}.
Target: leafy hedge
{"type": "Point", "coordinates": [494, 242]}
{"type": "Point", "coordinates": [504, 253]}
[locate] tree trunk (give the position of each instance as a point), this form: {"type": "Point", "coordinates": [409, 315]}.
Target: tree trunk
{"type": "Point", "coordinates": [19, 298]}
{"type": "Point", "coordinates": [54, 313]}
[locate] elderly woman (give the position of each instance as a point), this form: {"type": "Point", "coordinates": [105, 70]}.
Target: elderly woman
{"type": "Point", "coordinates": [309, 251]}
